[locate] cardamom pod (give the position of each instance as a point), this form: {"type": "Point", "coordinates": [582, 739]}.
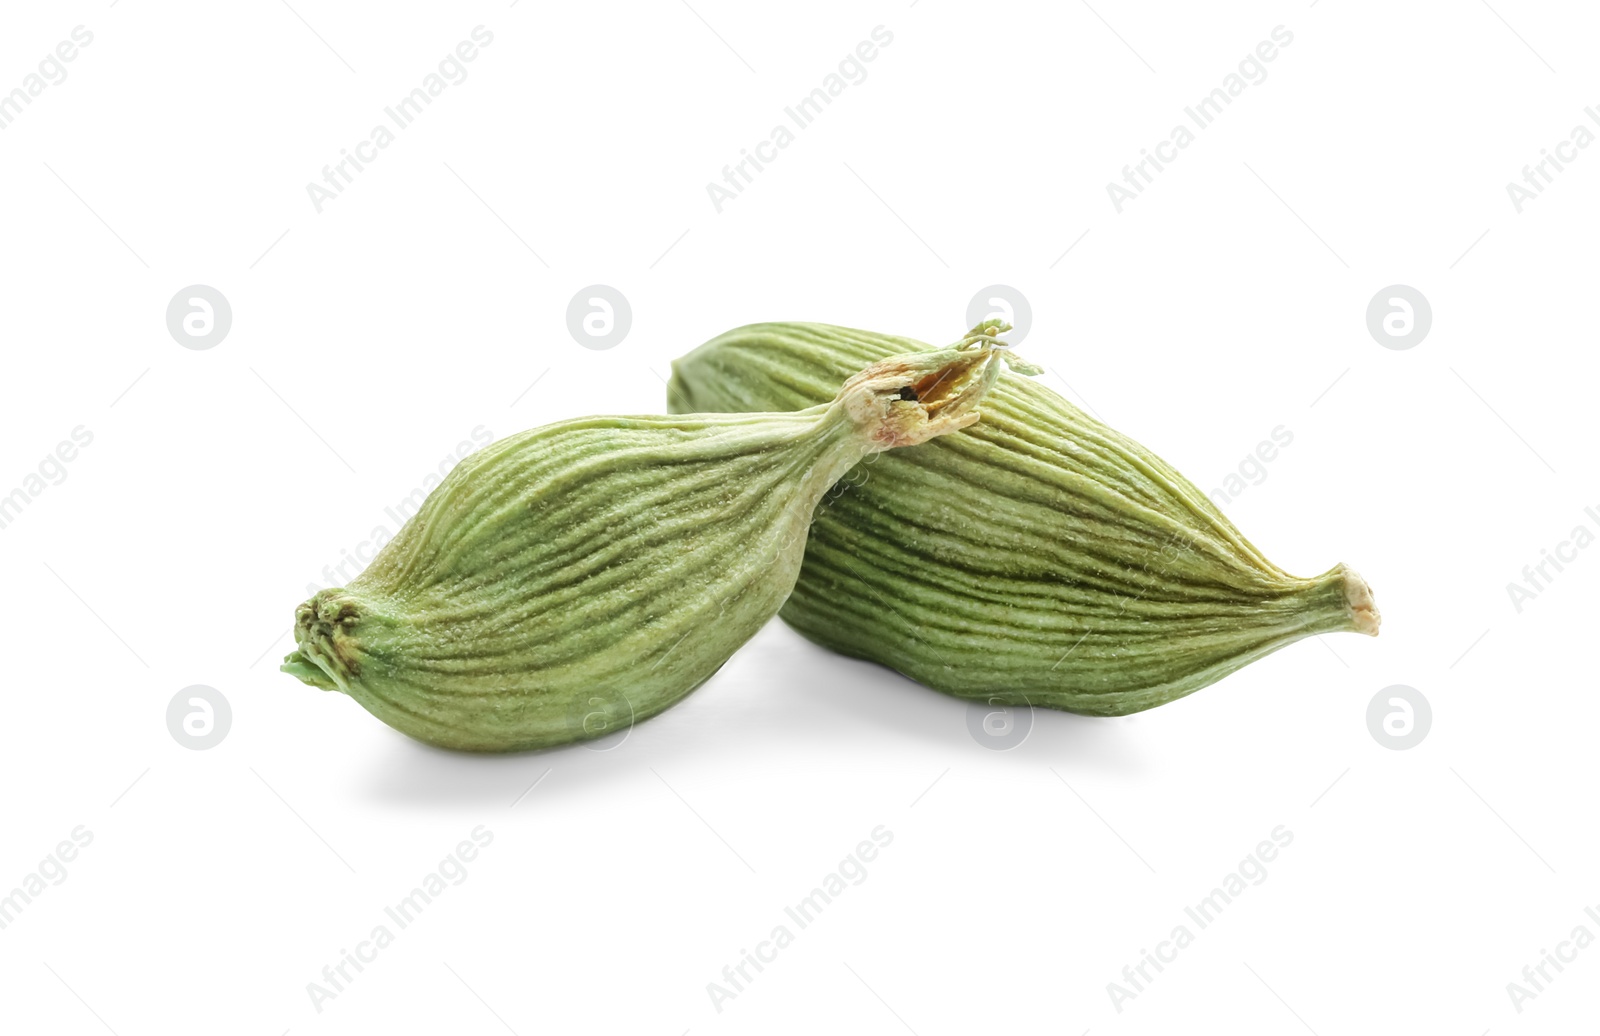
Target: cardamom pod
{"type": "Point", "coordinates": [1036, 558]}
{"type": "Point", "coordinates": [566, 581]}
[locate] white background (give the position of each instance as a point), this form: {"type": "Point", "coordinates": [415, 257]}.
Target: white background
{"type": "Point", "coordinates": [370, 339]}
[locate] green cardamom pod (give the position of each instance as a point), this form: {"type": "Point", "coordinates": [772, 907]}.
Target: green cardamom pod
{"type": "Point", "coordinates": [567, 581]}
{"type": "Point", "coordinates": [1038, 557]}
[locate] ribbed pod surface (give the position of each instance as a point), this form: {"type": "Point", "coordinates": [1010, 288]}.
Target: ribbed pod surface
{"type": "Point", "coordinates": [1038, 556]}
{"type": "Point", "coordinates": [602, 568]}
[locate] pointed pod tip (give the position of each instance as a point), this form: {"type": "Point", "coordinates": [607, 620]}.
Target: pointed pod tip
{"type": "Point", "coordinates": [307, 672]}
{"type": "Point", "coordinates": [908, 399]}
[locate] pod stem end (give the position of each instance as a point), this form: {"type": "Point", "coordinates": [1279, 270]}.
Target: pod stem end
{"type": "Point", "coordinates": [1364, 615]}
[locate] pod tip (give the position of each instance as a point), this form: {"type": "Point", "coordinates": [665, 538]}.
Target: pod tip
{"type": "Point", "coordinates": [1363, 609]}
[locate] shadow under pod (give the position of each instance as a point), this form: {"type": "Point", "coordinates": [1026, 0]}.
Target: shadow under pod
{"type": "Point", "coordinates": [779, 695]}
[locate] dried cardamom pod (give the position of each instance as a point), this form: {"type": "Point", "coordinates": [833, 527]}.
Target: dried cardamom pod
{"type": "Point", "coordinates": [566, 581]}
{"type": "Point", "coordinates": [1039, 557]}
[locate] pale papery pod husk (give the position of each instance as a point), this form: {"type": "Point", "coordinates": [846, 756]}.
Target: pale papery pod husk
{"type": "Point", "coordinates": [565, 582]}
{"type": "Point", "coordinates": [1038, 557]}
